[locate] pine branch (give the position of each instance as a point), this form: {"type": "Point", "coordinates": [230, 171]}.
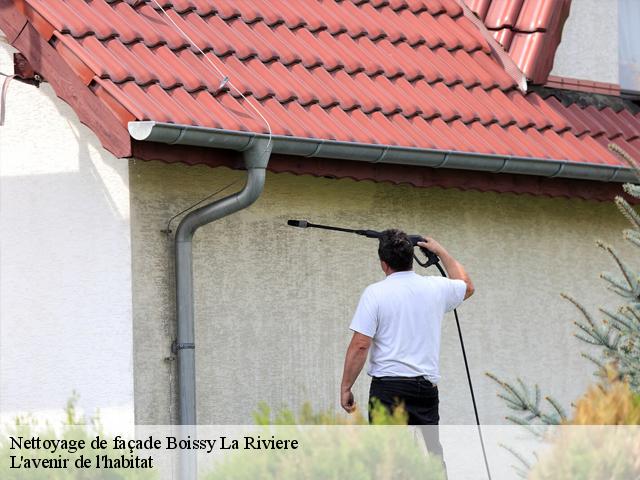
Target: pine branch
{"type": "Point", "coordinates": [600, 336]}
{"type": "Point", "coordinates": [519, 398]}
{"type": "Point", "coordinates": [632, 236]}
{"type": "Point", "coordinates": [517, 421]}
{"type": "Point", "coordinates": [631, 189]}
{"type": "Point", "coordinates": [628, 211]}
{"type": "Point", "coordinates": [591, 358]}
{"type": "Point", "coordinates": [629, 276]}
{"type": "Point", "coordinates": [620, 321]}
{"type": "Point", "coordinates": [582, 310]}
{"type": "Point", "coordinates": [619, 151]}
{"type": "Point", "coordinates": [510, 403]}
{"type": "Point", "coordinates": [617, 287]}
{"type": "Point", "coordinates": [632, 311]}
{"type": "Point", "coordinates": [558, 408]}
{"type": "Point", "coordinates": [520, 457]}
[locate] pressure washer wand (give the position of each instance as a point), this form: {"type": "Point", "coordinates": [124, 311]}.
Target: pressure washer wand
{"type": "Point", "coordinates": [432, 260]}
{"type": "Point", "coordinates": [305, 224]}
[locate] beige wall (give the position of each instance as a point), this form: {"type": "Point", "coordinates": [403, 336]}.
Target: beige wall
{"type": "Point", "coordinates": [273, 303]}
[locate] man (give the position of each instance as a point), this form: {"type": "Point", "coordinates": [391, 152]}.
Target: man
{"type": "Point", "coordinates": [400, 317]}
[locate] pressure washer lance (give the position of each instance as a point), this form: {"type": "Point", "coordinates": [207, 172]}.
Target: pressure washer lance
{"type": "Point", "coordinates": [432, 259]}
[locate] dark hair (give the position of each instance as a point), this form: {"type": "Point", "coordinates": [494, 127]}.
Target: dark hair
{"type": "Point", "coordinates": [396, 250]}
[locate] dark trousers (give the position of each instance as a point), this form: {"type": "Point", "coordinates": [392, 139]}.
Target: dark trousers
{"type": "Point", "coordinates": [418, 396]}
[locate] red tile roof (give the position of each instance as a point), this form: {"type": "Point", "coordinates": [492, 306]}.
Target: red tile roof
{"type": "Point", "coordinates": [414, 73]}
{"type": "Point", "coordinates": [530, 30]}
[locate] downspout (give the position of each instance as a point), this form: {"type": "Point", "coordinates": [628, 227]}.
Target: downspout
{"type": "Point", "coordinates": [256, 151]}
{"type": "Point", "coordinates": [256, 158]}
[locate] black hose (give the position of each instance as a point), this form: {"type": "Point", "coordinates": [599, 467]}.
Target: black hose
{"type": "Point", "coordinates": [466, 366]}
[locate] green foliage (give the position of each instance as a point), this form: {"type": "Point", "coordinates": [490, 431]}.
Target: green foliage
{"type": "Point", "coordinates": [333, 446]}
{"type": "Point", "coordinates": [528, 404]}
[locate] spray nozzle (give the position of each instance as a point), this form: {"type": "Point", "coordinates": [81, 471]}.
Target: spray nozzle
{"type": "Point", "coordinates": [298, 223]}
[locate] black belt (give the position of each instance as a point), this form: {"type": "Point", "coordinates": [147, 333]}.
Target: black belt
{"type": "Point", "coordinates": [407, 379]}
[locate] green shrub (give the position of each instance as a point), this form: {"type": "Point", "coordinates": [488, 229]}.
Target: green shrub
{"type": "Point", "coordinates": [74, 427]}
{"type": "Point", "coordinates": [333, 446]}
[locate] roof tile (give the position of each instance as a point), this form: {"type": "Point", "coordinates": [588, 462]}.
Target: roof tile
{"type": "Point", "coordinates": [64, 18]}
{"type": "Point", "coordinates": [557, 121]}
{"type": "Point", "coordinates": [578, 127]}
{"type": "Point", "coordinates": [90, 20]}
{"type": "Point", "coordinates": [504, 37]}
{"type": "Point", "coordinates": [503, 13]}
{"type": "Point", "coordinates": [622, 122]}
{"type": "Point", "coordinates": [529, 30]}
{"type": "Point", "coordinates": [538, 16]}
{"type": "Point", "coordinates": [126, 32]}
{"type": "Point", "coordinates": [480, 7]}
{"type": "Point", "coordinates": [588, 117]}
{"type": "Point", "coordinates": [149, 34]}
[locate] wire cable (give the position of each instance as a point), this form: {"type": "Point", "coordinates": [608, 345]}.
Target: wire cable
{"type": "Point", "coordinates": [168, 229]}
{"type": "Point", "coordinates": [225, 78]}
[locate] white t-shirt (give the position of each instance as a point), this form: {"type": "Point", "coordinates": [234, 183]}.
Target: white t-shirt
{"type": "Point", "coordinates": [403, 314]}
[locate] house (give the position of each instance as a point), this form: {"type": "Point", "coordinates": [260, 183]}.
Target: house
{"type": "Point", "coordinates": [439, 117]}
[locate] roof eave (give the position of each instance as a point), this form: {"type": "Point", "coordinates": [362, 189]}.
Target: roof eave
{"type": "Point", "coordinates": [175, 134]}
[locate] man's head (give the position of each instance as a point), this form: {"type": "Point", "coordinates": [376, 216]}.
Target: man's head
{"type": "Point", "coordinates": [395, 251]}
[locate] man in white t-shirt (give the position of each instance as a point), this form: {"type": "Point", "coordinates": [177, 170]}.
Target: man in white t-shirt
{"type": "Point", "coordinates": [399, 320]}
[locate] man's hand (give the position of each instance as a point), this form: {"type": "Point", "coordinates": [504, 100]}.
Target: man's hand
{"type": "Point", "coordinates": [431, 245]}
{"type": "Point", "coordinates": [454, 269]}
{"type": "Point", "coordinates": [353, 362]}
{"type": "Point", "coordinates": [347, 401]}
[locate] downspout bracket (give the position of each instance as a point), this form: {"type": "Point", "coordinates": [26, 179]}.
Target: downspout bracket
{"type": "Point", "coordinates": [175, 346]}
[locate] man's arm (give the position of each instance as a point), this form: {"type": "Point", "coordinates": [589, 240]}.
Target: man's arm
{"type": "Point", "coordinates": [454, 269]}
{"type": "Point", "coordinates": [354, 361]}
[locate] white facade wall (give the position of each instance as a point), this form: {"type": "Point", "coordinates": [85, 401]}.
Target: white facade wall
{"type": "Point", "coordinates": [65, 263]}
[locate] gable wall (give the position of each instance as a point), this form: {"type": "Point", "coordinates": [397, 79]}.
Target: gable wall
{"type": "Point", "coordinates": [589, 46]}
{"type": "Point", "coordinates": [65, 260]}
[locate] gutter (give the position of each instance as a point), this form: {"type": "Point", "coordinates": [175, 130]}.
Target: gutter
{"type": "Point", "coordinates": [376, 153]}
